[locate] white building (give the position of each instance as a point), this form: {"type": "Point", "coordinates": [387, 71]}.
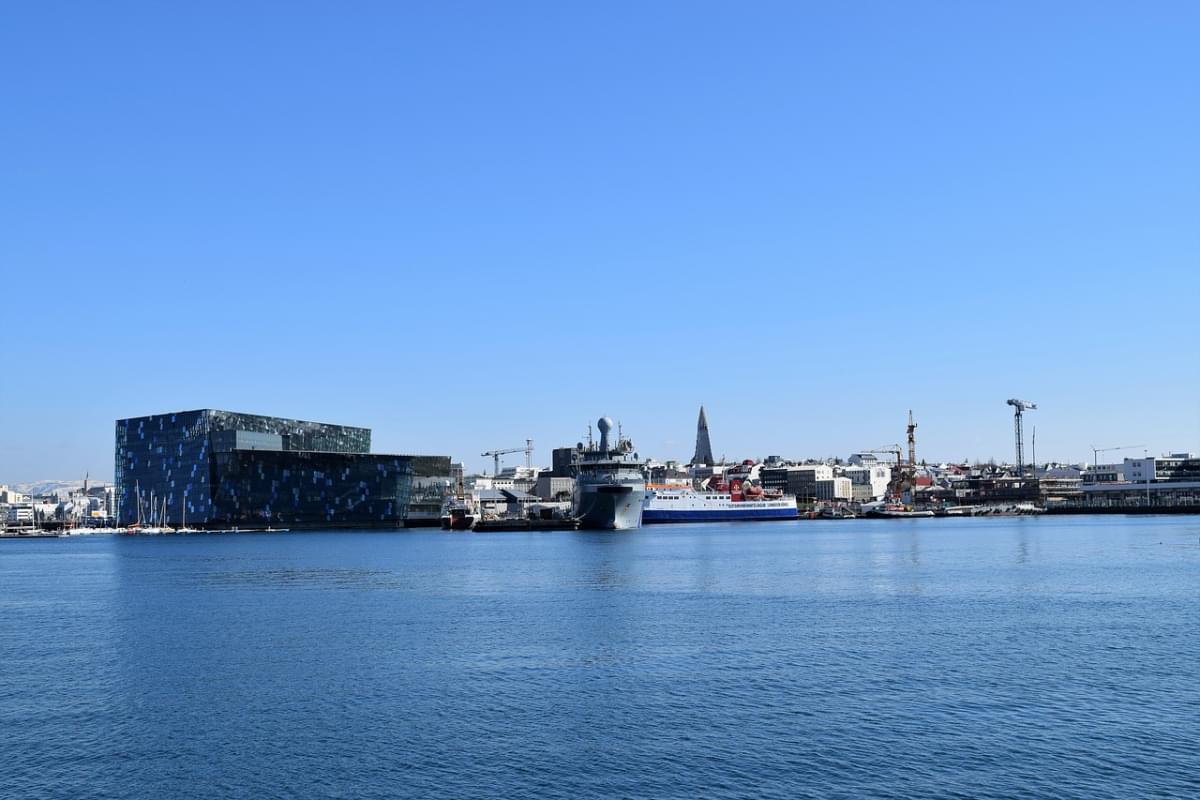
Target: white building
{"type": "Point", "coordinates": [870, 480]}
{"type": "Point", "coordinates": [19, 514]}
{"type": "Point", "coordinates": [881, 478]}
{"type": "Point", "coordinates": [8, 495]}
{"type": "Point", "coordinates": [1103, 473]}
{"type": "Point", "coordinates": [833, 489]}
{"type": "Point", "coordinates": [863, 459]}
{"type": "Point", "coordinates": [820, 472]}
{"type": "Point", "coordinates": [1140, 470]}
{"type": "Point", "coordinates": [552, 488]}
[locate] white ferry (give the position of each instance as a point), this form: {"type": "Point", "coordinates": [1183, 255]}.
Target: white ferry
{"type": "Point", "coordinates": [682, 504]}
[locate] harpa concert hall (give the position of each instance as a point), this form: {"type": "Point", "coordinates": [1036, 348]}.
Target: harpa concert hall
{"type": "Point", "coordinates": [220, 469]}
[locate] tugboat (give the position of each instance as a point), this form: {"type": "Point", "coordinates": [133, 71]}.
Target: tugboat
{"type": "Point", "coordinates": [459, 513]}
{"type": "Point", "coordinates": [609, 484]}
{"type": "Point", "coordinates": [458, 516]}
{"type": "Point", "coordinates": [837, 512]}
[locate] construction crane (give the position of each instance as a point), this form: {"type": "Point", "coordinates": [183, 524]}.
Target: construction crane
{"type": "Point", "coordinates": [1096, 451]}
{"type": "Point", "coordinates": [495, 455]}
{"type": "Point", "coordinates": [899, 478]}
{"type": "Point", "coordinates": [894, 450]}
{"type": "Point", "coordinates": [1019, 408]}
{"type": "Point", "coordinates": [912, 441]}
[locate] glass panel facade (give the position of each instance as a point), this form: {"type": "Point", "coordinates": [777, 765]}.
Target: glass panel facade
{"type": "Point", "coordinates": [261, 487]}
{"type": "Point", "coordinates": [245, 470]}
{"type": "Point", "coordinates": [296, 434]}
{"type": "Point", "coordinates": [163, 459]}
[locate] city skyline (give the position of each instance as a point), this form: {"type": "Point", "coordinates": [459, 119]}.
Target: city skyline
{"type": "Point", "coordinates": [463, 230]}
{"type": "Point", "coordinates": [681, 450]}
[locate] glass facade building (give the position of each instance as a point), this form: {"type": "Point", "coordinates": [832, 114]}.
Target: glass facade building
{"type": "Point", "coordinates": [245, 470]}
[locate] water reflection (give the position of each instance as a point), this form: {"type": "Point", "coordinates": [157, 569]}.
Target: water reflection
{"type": "Point", "coordinates": [1022, 546]}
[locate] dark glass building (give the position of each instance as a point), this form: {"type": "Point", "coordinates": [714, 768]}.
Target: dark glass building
{"type": "Point", "coordinates": [244, 470]}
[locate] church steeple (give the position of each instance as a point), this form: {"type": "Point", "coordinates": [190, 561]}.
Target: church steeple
{"type": "Point", "coordinates": [703, 453]}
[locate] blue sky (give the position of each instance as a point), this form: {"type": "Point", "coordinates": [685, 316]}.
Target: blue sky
{"type": "Point", "coordinates": [465, 224]}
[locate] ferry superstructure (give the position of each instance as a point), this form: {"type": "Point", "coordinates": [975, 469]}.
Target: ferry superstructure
{"type": "Point", "coordinates": [734, 495]}
{"type": "Point", "coordinates": [609, 484]}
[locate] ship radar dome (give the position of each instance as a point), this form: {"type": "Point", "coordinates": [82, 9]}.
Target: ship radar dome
{"type": "Point", "coordinates": [605, 425]}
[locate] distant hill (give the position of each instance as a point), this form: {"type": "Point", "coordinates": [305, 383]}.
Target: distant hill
{"type": "Point", "coordinates": [53, 487]}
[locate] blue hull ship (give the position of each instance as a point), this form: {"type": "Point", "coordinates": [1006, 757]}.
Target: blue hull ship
{"type": "Point", "coordinates": [673, 505]}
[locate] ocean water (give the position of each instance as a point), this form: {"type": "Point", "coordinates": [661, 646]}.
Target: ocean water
{"type": "Point", "coordinates": [990, 658]}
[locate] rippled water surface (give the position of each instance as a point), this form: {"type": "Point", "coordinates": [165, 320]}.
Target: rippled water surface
{"type": "Point", "coordinates": [1051, 657]}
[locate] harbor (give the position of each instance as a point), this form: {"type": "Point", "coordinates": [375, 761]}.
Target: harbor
{"type": "Point", "coordinates": [635, 401]}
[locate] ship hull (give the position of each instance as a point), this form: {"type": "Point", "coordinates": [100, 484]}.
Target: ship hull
{"type": "Point", "coordinates": [609, 507]}
{"type": "Point", "coordinates": [652, 516]}
{"type": "Point", "coordinates": [458, 522]}
{"type": "Point", "coordinates": [674, 505]}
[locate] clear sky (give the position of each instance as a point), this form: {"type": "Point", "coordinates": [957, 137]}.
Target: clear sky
{"type": "Point", "coordinates": [465, 224]}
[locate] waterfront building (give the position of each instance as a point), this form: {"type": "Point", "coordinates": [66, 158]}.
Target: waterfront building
{"type": "Point", "coordinates": [1173, 467]}
{"type": "Point", "coordinates": [552, 488]}
{"type": "Point", "coordinates": [8, 495]}
{"type": "Point", "coordinates": [870, 478]}
{"type": "Point", "coordinates": [1167, 483]}
{"type": "Point", "coordinates": [863, 459]}
{"type": "Point", "coordinates": [19, 514]}
{"type": "Point", "coordinates": [245, 470]}
{"type": "Point", "coordinates": [1183, 495]}
{"type": "Point", "coordinates": [1103, 473]}
{"type": "Point", "coordinates": [867, 482]}
{"type": "Point", "coordinates": [432, 482]}
{"type": "Point", "coordinates": [698, 473]}
{"type": "Point", "coordinates": [800, 481]}
{"type": "Point", "coordinates": [1060, 485]}
{"type": "Point", "coordinates": [995, 488]}
{"type": "Point", "coordinates": [669, 473]}
{"type": "Point", "coordinates": [110, 502]}
{"type": "Point", "coordinates": [562, 464]}
{"type": "Point", "coordinates": [834, 489]}
{"type": "Point", "coordinates": [518, 478]}
{"type": "Point", "coordinates": [1140, 470]}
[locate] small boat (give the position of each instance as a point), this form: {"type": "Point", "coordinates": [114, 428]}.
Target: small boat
{"type": "Point", "coordinates": [459, 516]}
{"type": "Point", "coordinates": [895, 511]}
{"type": "Point", "coordinates": [832, 512]}
{"type": "Point", "coordinates": [460, 513]}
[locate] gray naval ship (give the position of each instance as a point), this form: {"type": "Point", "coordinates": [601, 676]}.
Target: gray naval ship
{"type": "Point", "coordinates": [609, 484]}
